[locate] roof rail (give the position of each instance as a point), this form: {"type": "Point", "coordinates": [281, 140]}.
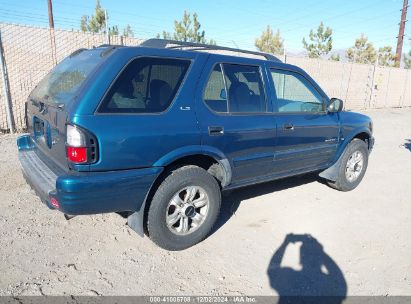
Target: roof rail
{"type": "Point", "coordinates": [162, 43]}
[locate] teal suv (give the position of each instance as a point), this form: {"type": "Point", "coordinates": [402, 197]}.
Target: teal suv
{"type": "Point", "coordinates": [159, 130]}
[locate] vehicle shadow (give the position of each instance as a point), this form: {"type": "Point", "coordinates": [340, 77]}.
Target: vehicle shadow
{"type": "Point", "coordinates": [320, 280]}
{"type": "Point", "coordinates": [407, 144]}
{"type": "Point", "coordinates": [231, 200]}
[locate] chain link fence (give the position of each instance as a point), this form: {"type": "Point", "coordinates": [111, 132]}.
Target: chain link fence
{"type": "Point", "coordinates": [361, 86]}
{"type": "Point", "coordinates": [30, 52]}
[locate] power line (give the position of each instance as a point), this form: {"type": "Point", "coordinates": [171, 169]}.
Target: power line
{"type": "Point", "coordinates": [340, 15]}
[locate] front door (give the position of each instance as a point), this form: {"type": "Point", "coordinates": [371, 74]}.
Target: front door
{"type": "Point", "coordinates": [235, 117]}
{"type": "Point", "coordinates": [308, 135]}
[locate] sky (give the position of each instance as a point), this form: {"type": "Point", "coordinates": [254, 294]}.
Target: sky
{"type": "Point", "coordinates": [231, 23]}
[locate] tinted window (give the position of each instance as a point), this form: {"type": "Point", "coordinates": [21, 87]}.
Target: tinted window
{"type": "Point", "coordinates": [147, 85]}
{"type": "Point", "coordinates": [294, 93]}
{"type": "Point", "coordinates": [215, 94]}
{"type": "Point", "coordinates": [245, 88]}
{"type": "Point", "coordinates": [64, 80]}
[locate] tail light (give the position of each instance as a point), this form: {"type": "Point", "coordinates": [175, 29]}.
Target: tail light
{"type": "Point", "coordinates": [54, 202]}
{"type": "Point", "coordinates": [81, 146]}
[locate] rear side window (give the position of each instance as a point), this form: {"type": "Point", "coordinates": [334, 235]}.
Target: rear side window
{"type": "Point", "coordinates": [147, 85]}
{"type": "Point", "coordinates": [235, 89]}
{"type": "Point", "coordinates": [65, 79]}
{"type": "Point", "coordinates": [215, 94]}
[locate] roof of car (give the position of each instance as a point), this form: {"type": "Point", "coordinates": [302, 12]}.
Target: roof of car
{"type": "Point", "coordinates": [194, 46]}
{"type": "Point", "coordinates": [191, 46]}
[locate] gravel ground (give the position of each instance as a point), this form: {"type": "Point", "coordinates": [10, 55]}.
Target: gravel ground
{"type": "Point", "coordinates": [360, 241]}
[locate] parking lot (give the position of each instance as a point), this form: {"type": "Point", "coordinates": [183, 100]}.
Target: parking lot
{"type": "Point", "coordinates": [354, 243]}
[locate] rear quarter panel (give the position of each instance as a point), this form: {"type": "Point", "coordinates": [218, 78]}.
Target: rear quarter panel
{"type": "Point", "coordinates": [129, 141]}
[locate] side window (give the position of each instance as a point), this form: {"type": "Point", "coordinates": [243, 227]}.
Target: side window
{"type": "Point", "coordinates": [295, 94]}
{"type": "Point", "coordinates": [215, 94]}
{"type": "Point", "coordinates": [236, 89]}
{"type": "Point", "coordinates": [245, 88]}
{"type": "Point", "coordinates": [147, 85]}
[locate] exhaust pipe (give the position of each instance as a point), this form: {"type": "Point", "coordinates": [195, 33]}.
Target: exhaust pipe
{"type": "Point", "coordinates": [68, 217]}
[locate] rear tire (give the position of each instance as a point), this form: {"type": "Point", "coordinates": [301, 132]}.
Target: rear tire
{"type": "Point", "coordinates": [354, 163]}
{"type": "Point", "coordinates": [184, 208]}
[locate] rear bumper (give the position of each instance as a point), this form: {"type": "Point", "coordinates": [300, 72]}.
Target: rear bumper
{"type": "Point", "coordinates": [85, 193]}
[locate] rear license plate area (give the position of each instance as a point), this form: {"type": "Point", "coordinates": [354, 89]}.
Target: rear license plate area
{"type": "Point", "coordinates": [38, 127]}
{"type": "Point", "coordinates": [41, 131]}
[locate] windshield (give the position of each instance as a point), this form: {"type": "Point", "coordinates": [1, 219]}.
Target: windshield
{"type": "Point", "coordinates": [61, 84]}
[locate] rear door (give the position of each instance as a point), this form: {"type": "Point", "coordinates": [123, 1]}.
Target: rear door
{"type": "Point", "coordinates": [49, 103]}
{"type": "Point", "coordinates": [308, 135]}
{"type": "Point", "coordinates": [235, 117]}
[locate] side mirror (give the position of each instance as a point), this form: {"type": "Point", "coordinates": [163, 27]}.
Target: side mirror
{"type": "Point", "coordinates": [335, 105]}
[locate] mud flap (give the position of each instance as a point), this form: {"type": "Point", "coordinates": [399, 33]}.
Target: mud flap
{"type": "Point", "coordinates": [331, 173]}
{"type": "Point", "coordinates": [136, 222]}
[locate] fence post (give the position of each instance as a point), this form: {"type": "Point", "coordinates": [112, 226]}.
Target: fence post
{"type": "Point", "coordinates": [6, 89]}
{"type": "Point", "coordinates": [387, 88]}
{"type": "Point", "coordinates": [405, 87]}
{"type": "Point", "coordinates": [373, 83]}
{"type": "Point", "coordinates": [348, 83]}
{"type": "Point", "coordinates": [106, 25]}
{"type": "Point", "coordinates": [342, 80]}
{"type": "Point", "coordinates": [53, 46]}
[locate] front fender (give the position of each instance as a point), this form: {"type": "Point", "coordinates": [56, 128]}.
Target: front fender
{"type": "Point", "coordinates": [331, 172]}
{"type": "Point", "coordinates": [349, 136]}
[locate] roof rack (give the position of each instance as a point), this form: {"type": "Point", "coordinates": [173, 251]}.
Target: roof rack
{"type": "Point", "coordinates": [162, 43]}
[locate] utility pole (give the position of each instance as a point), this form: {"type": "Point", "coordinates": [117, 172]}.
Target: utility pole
{"type": "Point", "coordinates": [400, 38]}
{"type": "Point", "coordinates": [51, 20]}
{"type": "Point", "coordinates": [52, 36]}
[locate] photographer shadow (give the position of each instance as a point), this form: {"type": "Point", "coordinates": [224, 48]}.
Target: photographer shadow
{"type": "Point", "coordinates": [407, 144]}
{"type": "Point", "coordinates": [320, 280]}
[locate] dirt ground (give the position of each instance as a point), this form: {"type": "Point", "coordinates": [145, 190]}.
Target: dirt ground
{"type": "Point", "coordinates": [360, 241]}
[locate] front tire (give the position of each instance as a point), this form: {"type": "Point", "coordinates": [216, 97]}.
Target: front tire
{"type": "Point", "coordinates": [184, 208]}
{"type": "Point", "coordinates": [354, 163]}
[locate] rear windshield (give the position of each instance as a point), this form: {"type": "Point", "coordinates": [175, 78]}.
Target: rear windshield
{"type": "Point", "coordinates": [62, 83]}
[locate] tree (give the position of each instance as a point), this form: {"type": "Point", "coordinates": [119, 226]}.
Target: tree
{"type": "Point", "coordinates": [270, 43]}
{"type": "Point", "coordinates": [407, 60]}
{"type": "Point", "coordinates": [95, 23]}
{"type": "Point", "coordinates": [386, 57]}
{"type": "Point", "coordinates": [321, 42]}
{"type": "Point", "coordinates": [128, 31]}
{"type": "Point", "coordinates": [363, 51]}
{"type": "Point", "coordinates": [164, 35]}
{"type": "Point", "coordinates": [335, 57]}
{"type": "Point", "coordinates": [84, 23]}
{"type": "Point", "coordinates": [188, 30]}
{"type": "Point", "coordinates": [113, 31]}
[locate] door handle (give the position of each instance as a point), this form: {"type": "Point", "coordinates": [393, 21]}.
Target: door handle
{"type": "Point", "coordinates": [215, 131]}
{"type": "Point", "coordinates": [288, 127]}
